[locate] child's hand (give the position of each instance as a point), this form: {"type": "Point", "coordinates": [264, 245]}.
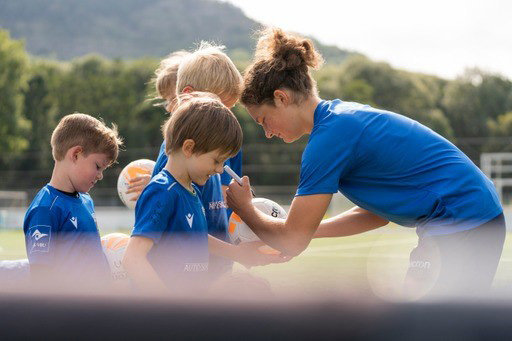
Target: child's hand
{"type": "Point", "coordinates": [137, 184]}
{"type": "Point", "coordinates": [249, 255]}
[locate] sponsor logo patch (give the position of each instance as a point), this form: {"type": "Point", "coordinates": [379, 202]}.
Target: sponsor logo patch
{"type": "Point", "coordinates": [39, 238]}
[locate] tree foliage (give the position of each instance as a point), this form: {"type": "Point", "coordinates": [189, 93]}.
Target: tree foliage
{"type": "Point", "coordinates": [13, 125]}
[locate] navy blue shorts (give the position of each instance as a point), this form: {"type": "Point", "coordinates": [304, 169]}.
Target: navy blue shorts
{"type": "Point", "coordinates": [462, 263]}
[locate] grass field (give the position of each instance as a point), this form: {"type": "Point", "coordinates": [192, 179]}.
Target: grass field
{"type": "Point", "coordinates": [372, 262]}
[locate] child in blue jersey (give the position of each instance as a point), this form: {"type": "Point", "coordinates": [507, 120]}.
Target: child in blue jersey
{"type": "Point", "coordinates": [61, 236]}
{"type": "Point", "coordinates": [169, 244]}
{"type": "Point", "coordinates": [206, 69]}
{"type": "Point", "coordinates": [393, 168]}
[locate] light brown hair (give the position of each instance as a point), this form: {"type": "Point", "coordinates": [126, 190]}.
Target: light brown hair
{"type": "Point", "coordinates": [85, 131]}
{"type": "Point", "coordinates": [209, 69]}
{"type": "Point", "coordinates": [166, 75]}
{"type": "Point", "coordinates": [203, 118]}
{"type": "Point", "coordinates": [282, 61]}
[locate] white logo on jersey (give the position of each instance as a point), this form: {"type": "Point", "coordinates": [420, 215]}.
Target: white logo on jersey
{"type": "Point", "coordinates": [74, 221]}
{"type": "Point", "coordinates": [190, 219]}
{"type": "Point", "coordinates": [38, 235]}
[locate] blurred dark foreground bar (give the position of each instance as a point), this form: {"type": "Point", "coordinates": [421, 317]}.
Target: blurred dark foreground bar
{"type": "Point", "coordinates": [110, 318]}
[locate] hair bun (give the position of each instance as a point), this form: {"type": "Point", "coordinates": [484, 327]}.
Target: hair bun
{"type": "Point", "coordinates": [287, 51]}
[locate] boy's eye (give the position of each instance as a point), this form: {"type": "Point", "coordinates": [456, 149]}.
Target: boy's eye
{"type": "Point", "coordinates": [98, 167]}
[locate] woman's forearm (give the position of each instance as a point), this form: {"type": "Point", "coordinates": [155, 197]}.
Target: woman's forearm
{"type": "Point", "coordinates": [351, 222]}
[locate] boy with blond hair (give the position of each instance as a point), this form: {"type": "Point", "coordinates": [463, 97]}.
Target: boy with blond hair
{"type": "Point", "coordinates": [169, 248]}
{"type": "Point", "coordinates": [61, 236]}
{"type": "Point", "coordinates": [207, 69]}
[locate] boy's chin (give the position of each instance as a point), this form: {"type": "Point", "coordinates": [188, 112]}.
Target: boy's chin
{"type": "Point", "coordinates": [201, 181]}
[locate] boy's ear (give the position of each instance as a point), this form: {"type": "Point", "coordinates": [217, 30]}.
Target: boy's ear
{"type": "Point", "coordinates": [188, 89]}
{"type": "Point", "coordinates": [73, 152]}
{"type": "Point", "coordinates": [188, 147]}
{"type": "Point", "coordinates": [281, 98]}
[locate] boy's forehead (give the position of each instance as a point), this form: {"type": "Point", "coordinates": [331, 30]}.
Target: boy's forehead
{"type": "Point", "coordinates": [221, 154]}
{"type": "Point", "coordinates": [102, 158]}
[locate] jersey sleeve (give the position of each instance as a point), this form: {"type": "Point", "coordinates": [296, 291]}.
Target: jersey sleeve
{"type": "Point", "coordinates": [160, 161]}
{"type": "Point", "coordinates": [41, 232]}
{"type": "Point", "coordinates": [329, 155]}
{"type": "Point", "coordinates": [153, 212]}
{"type": "Point", "coordinates": [235, 163]}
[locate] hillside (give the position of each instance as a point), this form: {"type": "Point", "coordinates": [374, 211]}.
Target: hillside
{"type": "Point", "coordinates": [65, 29]}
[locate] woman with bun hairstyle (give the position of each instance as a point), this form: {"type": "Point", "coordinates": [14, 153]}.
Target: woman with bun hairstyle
{"type": "Point", "coordinates": [391, 167]}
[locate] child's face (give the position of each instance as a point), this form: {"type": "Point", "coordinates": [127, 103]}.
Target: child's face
{"type": "Point", "coordinates": [202, 166]}
{"type": "Point", "coordinates": [87, 170]}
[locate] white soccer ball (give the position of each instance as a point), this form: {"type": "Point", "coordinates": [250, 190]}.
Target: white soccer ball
{"type": "Point", "coordinates": [114, 246]}
{"type": "Point", "coordinates": [133, 169]}
{"type": "Point", "coordinates": [239, 232]}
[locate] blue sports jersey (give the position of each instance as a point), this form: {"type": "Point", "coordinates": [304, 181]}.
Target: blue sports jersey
{"type": "Point", "coordinates": [61, 233]}
{"type": "Point", "coordinates": [216, 214]}
{"type": "Point", "coordinates": [174, 219]}
{"type": "Point", "coordinates": [395, 167]}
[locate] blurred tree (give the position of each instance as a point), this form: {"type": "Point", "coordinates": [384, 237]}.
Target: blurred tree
{"type": "Point", "coordinates": [41, 104]}
{"type": "Point", "coordinates": [13, 126]}
{"type": "Point", "coordinates": [500, 139]}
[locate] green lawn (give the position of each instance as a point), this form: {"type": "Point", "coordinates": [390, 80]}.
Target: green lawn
{"type": "Point", "coordinates": [374, 261]}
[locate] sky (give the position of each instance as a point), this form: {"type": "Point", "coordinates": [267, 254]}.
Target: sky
{"type": "Point", "coordinates": [435, 37]}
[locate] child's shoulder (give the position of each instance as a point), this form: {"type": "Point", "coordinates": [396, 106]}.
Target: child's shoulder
{"type": "Point", "coordinates": [164, 183]}
{"type": "Point", "coordinates": [46, 198]}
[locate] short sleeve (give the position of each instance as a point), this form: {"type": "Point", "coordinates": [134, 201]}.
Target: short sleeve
{"type": "Point", "coordinates": [329, 155]}
{"type": "Point", "coordinates": [153, 212]}
{"type": "Point", "coordinates": [235, 163]}
{"type": "Point", "coordinates": [41, 228]}
{"type": "Point", "coordinates": [160, 161]}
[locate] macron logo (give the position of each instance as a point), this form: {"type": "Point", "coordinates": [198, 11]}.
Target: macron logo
{"type": "Point", "coordinates": [74, 221]}
{"type": "Point", "coordinates": [38, 235]}
{"type": "Point", "coordinates": [190, 219]}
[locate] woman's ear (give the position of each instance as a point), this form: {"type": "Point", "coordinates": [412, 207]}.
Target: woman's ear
{"type": "Point", "coordinates": [188, 147]}
{"type": "Point", "coordinates": [281, 98]}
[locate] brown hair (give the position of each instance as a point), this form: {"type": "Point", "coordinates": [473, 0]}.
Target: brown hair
{"type": "Point", "coordinates": [203, 118]}
{"type": "Point", "coordinates": [85, 131]}
{"type": "Point", "coordinates": [282, 60]}
{"type": "Point", "coordinates": [209, 69]}
{"type": "Point", "coordinates": [166, 75]}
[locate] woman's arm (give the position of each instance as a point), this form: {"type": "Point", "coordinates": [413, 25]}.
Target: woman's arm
{"type": "Point", "coordinates": [137, 266]}
{"type": "Point", "coordinates": [354, 221]}
{"type": "Point", "coordinates": [290, 236]}
{"type": "Point", "coordinates": [247, 254]}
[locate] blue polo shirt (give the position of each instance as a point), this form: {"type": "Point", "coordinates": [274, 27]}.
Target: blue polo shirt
{"type": "Point", "coordinates": [174, 219]}
{"type": "Point", "coordinates": [61, 233]}
{"type": "Point", "coordinates": [395, 167]}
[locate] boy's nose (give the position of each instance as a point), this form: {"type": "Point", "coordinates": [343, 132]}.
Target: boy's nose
{"type": "Point", "coordinates": [100, 175]}
{"type": "Point", "coordinates": [268, 134]}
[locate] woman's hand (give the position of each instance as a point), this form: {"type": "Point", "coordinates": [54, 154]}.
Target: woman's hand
{"type": "Point", "coordinates": [239, 197]}
{"type": "Point", "coordinates": [251, 254]}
